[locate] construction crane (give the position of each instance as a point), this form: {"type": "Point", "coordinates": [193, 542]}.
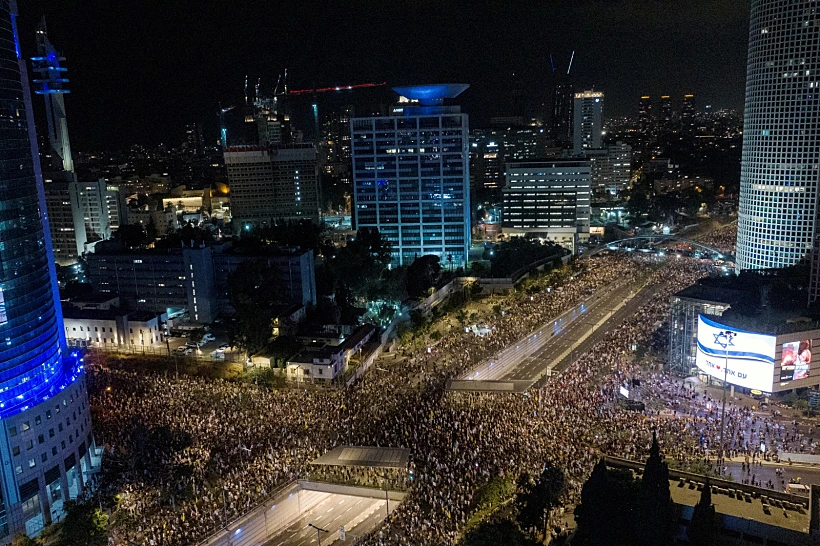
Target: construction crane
{"type": "Point", "coordinates": [316, 90]}
{"type": "Point", "coordinates": [223, 128]}
{"type": "Point", "coordinates": [281, 90]}
{"type": "Point", "coordinates": [337, 88]}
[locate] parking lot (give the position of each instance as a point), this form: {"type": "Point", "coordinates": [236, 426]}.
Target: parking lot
{"type": "Point", "coordinates": [216, 348]}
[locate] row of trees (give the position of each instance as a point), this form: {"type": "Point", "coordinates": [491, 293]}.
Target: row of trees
{"type": "Point", "coordinates": [616, 509]}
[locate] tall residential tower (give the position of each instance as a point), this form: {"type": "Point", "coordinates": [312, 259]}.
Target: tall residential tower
{"type": "Point", "coordinates": [42, 465]}
{"type": "Point", "coordinates": [588, 126]}
{"type": "Point", "coordinates": [781, 148]}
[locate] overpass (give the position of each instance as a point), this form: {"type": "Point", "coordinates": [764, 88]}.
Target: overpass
{"type": "Point", "coordinates": [651, 242]}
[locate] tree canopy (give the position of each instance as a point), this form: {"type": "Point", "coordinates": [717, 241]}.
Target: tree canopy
{"type": "Point", "coordinates": [254, 290]}
{"type": "Point", "coordinates": [496, 532]}
{"type": "Point", "coordinates": [518, 253]}
{"type": "Point", "coordinates": [701, 529]}
{"type": "Point", "coordinates": [84, 525]}
{"type": "Point", "coordinates": [643, 513]}
{"type": "Point", "coordinates": [422, 275]}
{"type": "Point", "coordinates": [360, 265]}
{"type": "Point", "coordinates": [537, 496]}
{"type": "Point", "coordinates": [131, 236]}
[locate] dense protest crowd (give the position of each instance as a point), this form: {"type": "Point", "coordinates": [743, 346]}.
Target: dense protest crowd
{"type": "Point", "coordinates": [186, 455]}
{"type": "Point", "coordinates": [723, 239]}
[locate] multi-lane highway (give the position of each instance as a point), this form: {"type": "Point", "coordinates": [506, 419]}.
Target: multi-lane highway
{"type": "Point", "coordinates": [358, 515]}
{"type": "Point", "coordinates": [549, 348]}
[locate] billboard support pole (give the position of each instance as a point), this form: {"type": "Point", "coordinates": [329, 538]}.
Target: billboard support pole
{"type": "Point", "coordinates": [723, 410]}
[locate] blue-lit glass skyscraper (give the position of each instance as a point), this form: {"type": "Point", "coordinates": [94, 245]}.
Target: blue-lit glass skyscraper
{"type": "Point", "coordinates": [411, 175]}
{"type": "Point", "coordinates": [46, 441]}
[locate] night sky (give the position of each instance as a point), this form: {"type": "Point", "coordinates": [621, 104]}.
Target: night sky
{"type": "Point", "coordinates": [140, 70]}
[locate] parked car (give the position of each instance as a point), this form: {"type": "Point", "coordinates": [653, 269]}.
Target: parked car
{"type": "Point", "coordinates": [224, 347]}
{"type": "Point", "coordinates": [208, 337]}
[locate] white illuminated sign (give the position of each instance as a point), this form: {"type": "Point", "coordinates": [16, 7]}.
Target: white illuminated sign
{"type": "Point", "coordinates": [744, 358]}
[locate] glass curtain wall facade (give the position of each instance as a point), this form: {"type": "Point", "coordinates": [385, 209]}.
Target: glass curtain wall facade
{"type": "Point", "coordinates": [30, 352]}
{"type": "Point", "coordinates": [411, 180]}
{"type": "Point", "coordinates": [683, 331]}
{"type": "Point", "coordinates": [781, 148]}
{"type": "Point", "coordinates": [43, 455]}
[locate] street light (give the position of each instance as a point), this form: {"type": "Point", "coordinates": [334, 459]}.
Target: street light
{"type": "Point", "coordinates": [319, 532]}
{"type": "Point", "coordinates": [383, 476]}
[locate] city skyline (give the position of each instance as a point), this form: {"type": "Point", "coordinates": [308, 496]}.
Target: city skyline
{"type": "Point", "coordinates": [189, 58]}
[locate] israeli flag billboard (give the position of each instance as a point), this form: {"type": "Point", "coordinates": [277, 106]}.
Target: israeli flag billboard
{"type": "Point", "coordinates": [749, 355]}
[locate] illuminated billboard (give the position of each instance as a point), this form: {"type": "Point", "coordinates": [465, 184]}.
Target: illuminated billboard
{"type": "Point", "coordinates": [744, 358]}
{"type": "Point", "coordinates": [795, 362]}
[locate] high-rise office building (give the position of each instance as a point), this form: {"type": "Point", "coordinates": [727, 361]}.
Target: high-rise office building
{"type": "Point", "coordinates": [587, 129]}
{"type": "Point", "coordinates": [41, 467]}
{"type": "Point", "coordinates": [491, 164]}
{"type": "Point", "coordinates": [563, 95]}
{"type": "Point", "coordinates": [524, 143]}
{"type": "Point", "coordinates": [335, 145]}
{"type": "Point", "coordinates": [549, 200]}
{"type": "Point", "coordinates": [781, 148]}
{"type": "Point", "coordinates": [411, 175]}
{"type": "Point", "coordinates": [272, 183]}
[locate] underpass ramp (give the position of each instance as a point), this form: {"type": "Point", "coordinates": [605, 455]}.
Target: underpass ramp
{"type": "Point", "coordinates": [352, 490]}
{"type": "Point", "coordinates": [480, 385]}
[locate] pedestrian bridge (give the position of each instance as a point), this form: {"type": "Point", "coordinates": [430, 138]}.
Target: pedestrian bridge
{"type": "Point", "coordinates": [651, 242]}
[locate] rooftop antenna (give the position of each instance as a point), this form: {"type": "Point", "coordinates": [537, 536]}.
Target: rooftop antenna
{"type": "Point", "coordinates": [286, 81]}
{"type": "Point", "coordinates": [246, 89]}
{"type": "Point", "coordinates": [278, 82]}
{"type": "Point", "coordinates": [256, 91]}
{"type": "Point", "coordinates": [570, 62]}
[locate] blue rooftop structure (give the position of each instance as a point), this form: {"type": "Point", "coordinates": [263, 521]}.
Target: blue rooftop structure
{"type": "Point", "coordinates": [432, 94]}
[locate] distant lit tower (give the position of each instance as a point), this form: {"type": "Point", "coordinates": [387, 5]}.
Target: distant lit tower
{"type": "Point", "coordinates": [42, 465]}
{"type": "Point", "coordinates": [645, 115]}
{"type": "Point", "coordinates": [194, 141]}
{"type": "Point", "coordinates": [587, 130]}
{"type": "Point", "coordinates": [665, 113]}
{"type": "Point", "coordinates": [51, 84]}
{"type": "Point", "coordinates": [687, 114]}
{"type": "Point", "coordinates": [781, 138]}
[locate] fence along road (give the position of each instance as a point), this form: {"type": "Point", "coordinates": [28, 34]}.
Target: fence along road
{"type": "Point", "coordinates": [531, 357]}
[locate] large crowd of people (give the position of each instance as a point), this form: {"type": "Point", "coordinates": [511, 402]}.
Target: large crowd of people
{"type": "Point", "coordinates": [183, 456]}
